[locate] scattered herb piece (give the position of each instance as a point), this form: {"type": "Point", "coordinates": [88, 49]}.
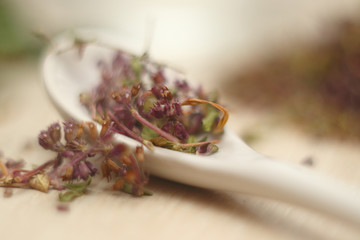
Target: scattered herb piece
{"type": "Point", "coordinates": [74, 190]}
{"type": "Point", "coordinates": [62, 207]}
{"type": "Point", "coordinates": [69, 196]}
{"type": "Point", "coordinates": [77, 147]}
{"type": "Point", "coordinates": [40, 182]}
{"type": "Point", "coordinates": [309, 161]}
{"type": "Point", "coordinates": [8, 192]}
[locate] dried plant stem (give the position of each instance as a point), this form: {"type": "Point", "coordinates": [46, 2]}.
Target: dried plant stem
{"type": "Point", "coordinates": [125, 129]}
{"type": "Point", "coordinates": [220, 126]}
{"type": "Point", "coordinates": [185, 145]}
{"type": "Point", "coordinates": [31, 173]}
{"type": "Point", "coordinates": [74, 161]}
{"type": "Point", "coordinates": [153, 127]}
{"type": "Point", "coordinates": [15, 185]}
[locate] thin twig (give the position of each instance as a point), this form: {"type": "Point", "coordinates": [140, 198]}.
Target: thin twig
{"type": "Point", "coordinates": [153, 127]}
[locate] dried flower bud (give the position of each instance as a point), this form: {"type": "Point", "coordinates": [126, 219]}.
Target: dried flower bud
{"type": "Point", "coordinates": [168, 127]}
{"type": "Point", "coordinates": [68, 175]}
{"type": "Point", "coordinates": [182, 85]}
{"type": "Point", "coordinates": [161, 92]}
{"type": "Point", "coordinates": [159, 109]}
{"type": "Point", "coordinates": [76, 172]}
{"type": "Point", "coordinates": [55, 132]}
{"type": "Point", "coordinates": [118, 184]}
{"type": "Point", "coordinates": [135, 90]}
{"type": "Point", "coordinates": [105, 127]}
{"type": "Point", "coordinates": [116, 96]}
{"type": "Point", "coordinates": [92, 130]}
{"type": "Point", "coordinates": [166, 93]}
{"type": "Point", "coordinates": [130, 176]}
{"type": "Point", "coordinates": [207, 149]}
{"type": "Point", "coordinates": [70, 131]}
{"type": "Point", "coordinates": [177, 108]}
{"type": "Point", "coordinates": [92, 168]}
{"type": "Point", "coordinates": [84, 170]}
{"type": "Point", "coordinates": [79, 130]}
{"type": "Point", "coordinates": [105, 170]}
{"type": "Point", "coordinates": [126, 160]}
{"type": "Point", "coordinates": [45, 140]}
{"type": "Point", "coordinates": [40, 182]}
{"type": "Point", "coordinates": [158, 78]}
{"type": "Point", "coordinates": [113, 166]}
{"type": "Point", "coordinates": [139, 153]}
{"type": "Point", "coordinates": [156, 90]}
{"type": "Point", "coordinates": [68, 154]}
{"type": "Point", "coordinates": [180, 131]}
{"type": "Point", "coordinates": [117, 151]}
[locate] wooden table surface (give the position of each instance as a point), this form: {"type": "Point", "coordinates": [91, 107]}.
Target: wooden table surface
{"type": "Point", "coordinates": [175, 211]}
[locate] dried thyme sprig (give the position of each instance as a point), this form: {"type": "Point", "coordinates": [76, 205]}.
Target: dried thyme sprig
{"type": "Point", "coordinates": [74, 164]}
{"type": "Point", "coordinates": [146, 103]}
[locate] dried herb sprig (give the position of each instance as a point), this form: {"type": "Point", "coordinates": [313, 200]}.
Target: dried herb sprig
{"type": "Point", "coordinates": [147, 103]}
{"type": "Point", "coordinates": [74, 164]}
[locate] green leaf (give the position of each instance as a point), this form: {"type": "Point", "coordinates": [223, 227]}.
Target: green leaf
{"type": "Point", "coordinates": [147, 133]}
{"type": "Point", "coordinates": [210, 118]}
{"type": "Point", "coordinates": [69, 196]}
{"type": "Point", "coordinates": [191, 149]}
{"type": "Point", "coordinates": [75, 190]}
{"type": "Point", "coordinates": [203, 139]}
{"type": "Point", "coordinates": [149, 103]}
{"type": "Point", "coordinates": [162, 142]}
{"type": "Point", "coordinates": [212, 148]}
{"type": "Point", "coordinates": [147, 192]}
{"type": "Point", "coordinates": [78, 187]}
{"type": "Point", "coordinates": [128, 188]}
{"type": "Point", "coordinates": [191, 139]}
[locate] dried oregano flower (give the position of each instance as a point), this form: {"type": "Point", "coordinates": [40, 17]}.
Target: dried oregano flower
{"type": "Point", "coordinates": [146, 101]}
{"type": "Point", "coordinates": [74, 165]}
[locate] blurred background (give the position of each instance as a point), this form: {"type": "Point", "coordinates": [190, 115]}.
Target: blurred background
{"type": "Point", "coordinates": [292, 62]}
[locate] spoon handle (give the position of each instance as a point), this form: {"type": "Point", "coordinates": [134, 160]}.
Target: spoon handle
{"type": "Point", "coordinates": [272, 179]}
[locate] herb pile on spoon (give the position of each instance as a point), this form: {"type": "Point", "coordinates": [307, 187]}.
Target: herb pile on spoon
{"type": "Point", "coordinates": [155, 106]}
